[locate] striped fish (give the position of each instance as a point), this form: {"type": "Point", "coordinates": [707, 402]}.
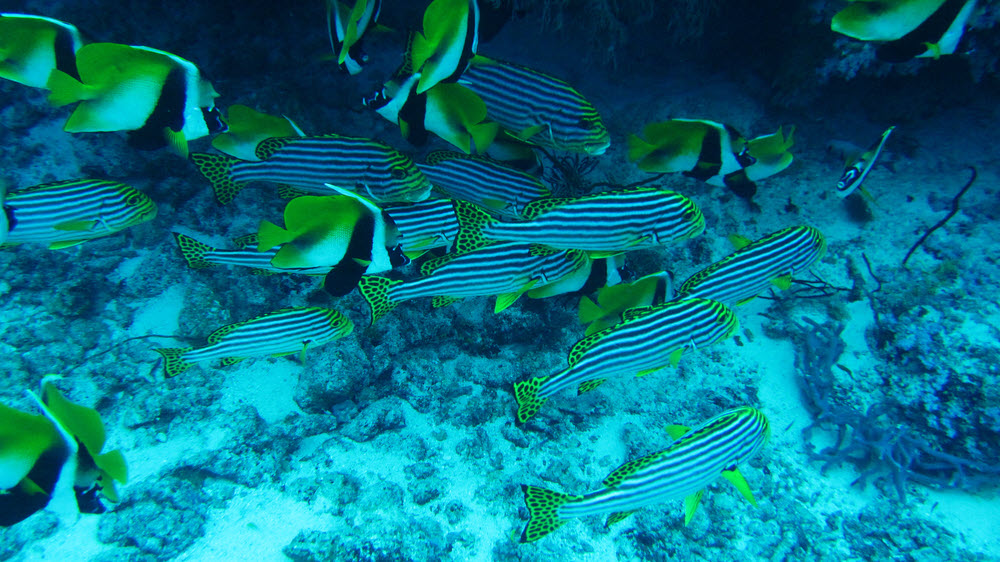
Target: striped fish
{"type": "Point", "coordinates": [366, 166]}
{"type": "Point", "coordinates": [611, 222]}
{"type": "Point", "coordinates": [693, 461]}
{"type": "Point", "coordinates": [283, 332]}
{"type": "Point", "coordinates": [648, 339]}
{"type": "Point", "coordinates": [483, 181]}
{"type": "Point", "coordinates": [199, 255]}
{"type": "Point", "coordinates": [755, 266]}
{"type": "Point", "coordinates": [506, 269]}
{"type": "Point", "coordinates": [536, 107]}
{"type": "Point", "coordinates": [424, 225]}
{"type": "Point", "coordinates": [67, 213]}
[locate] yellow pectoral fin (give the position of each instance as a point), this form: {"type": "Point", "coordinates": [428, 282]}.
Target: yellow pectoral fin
{"type": "Point", "coordinates": [675, 357]}
{"type": "Point", "coordinates": [530, 131]}
{"type": "Point", "coordinates": [784, 282]}
{"type": "Point", "coordinates": [80, 225]}
{"type": "Point", "coordinates": [504, 301]}
{"type": "Point", "coordinates": [691, 505]}
{"type": "Point", "coordinates": [737, 479]}
{"type": "Point", "coordinates": [63, 244]}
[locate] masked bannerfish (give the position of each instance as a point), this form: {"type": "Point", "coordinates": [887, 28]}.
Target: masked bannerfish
{"type": "Point", "coordinates": [484, 181]}
{"type": "Point", "coordinates": [55, 460]}
{"type": "Point", "coordinates": [605, 223]}
{"type": "Point", "coordinates": [505, 269]}
{"type": "Point", "coordinates": [535, 107]}
{"type": "Point", "coordinates": [31, 47]}
{"type": "Point", "coordinates": [906, 28]}
{"type": "Point", "coordinates": [649, 339]}
{"type": "Point", "coordinates": [67, 213]}
{"type": "Point", "coordinates": [365, 166]}
{"type": "Point", "coordinates": [160, 98]}
{"type": "Point", "coordinates": [768, 262]}
{"type": "Point", "coordinates": [248, 127]}
{"type": "Point", "coordinates": [695, 459]}
{"type": "Point", "coordinates": [283, 332]}
{"type": "Point", "coordinates": [346, 27]}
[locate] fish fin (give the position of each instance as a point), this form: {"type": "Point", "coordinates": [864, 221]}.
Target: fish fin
{"type": "Point", "coordinates": [742, 302]}
{"type": "Point", "coordinates": [173, 360]}
{"type": "Point", "coordinates": [176, 141]}
{"type": "Point", "coordinates": [64, 89]}
{"type": "Point", "coordinates": [738, 242]}
{"type": "Point", "coordinates": [259, 271]}
{"type": "Point", "coordinates": [736, 478]}
{"type": "Point", "coordinates": [784, 282]}
{"type": "Point", "coordinates": [637, 312]}
{"type": "Point", "coordinates": [193, 251]}
{"type": "Point", "coordinates": [219, 333]}
{"type": "Point", "coordinates": [675, 356]}
{"type": "Point", "coordinates": [63, 244]}
{"type": "Point", "coordinates": [631, 467]}
{"type": "Point", "coordinates": [230, 361]}
{"type": "Point", "coordinates": [506, 300]}
{"type": "Point", "coordinates": [529, 132]}
{"type": "Point", "coordinates": [246, 241]}
{"type": "Point", "coordinates": [539, 206]}
{"type": "Point", "coordinates": [691, 505]}
{"type": "Point", "coordinates": [589, 311]}
{"type": "Point", "coordinates": [302, 354]}
{"type": "Point", "coordinates": [587, 386]}
{"type": "Point", "coordinates": [543, 509]}
{"type": "Point", "coordinates": [442, 301]}
{"type": "Point", "coordinates": [472, 221]}
{"type": "Point", "coordinates": [645, 372]}
{"type": "Point", "coordinates": [286, 191]}
{"type": "Point", "coordinates": [581, 347]}
{"type": "Point", "coordinates": [375, 291]}
{"type": "Point", "coordinates": [526, 394]}
{"type": "Point", "coordinates": [270, 235]}
{"type": "Point", "coordinates": [267, 147]}
{"type": "Point", "coordinates": [431, 265]}
{"type": "Point", "coordinates": [600, 325]}
{"type": "Point", "coordinates": [217, 169]}
{"type": "Point", "coordinates": [81, 225]}
{"type": "Point", "coordinates": [617, 517]}
{"type": "Point", "coordinates": [676, 431]}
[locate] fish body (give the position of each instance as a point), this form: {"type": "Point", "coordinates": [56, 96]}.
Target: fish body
{"type": "Point", "coordinates": [694, 460]}
{"type": "Point", "coordinates": [160, 98]}
{"type": "Point", "coordinates": [505, 269]}
{"type": "Point", "coordinates": [346, 27]}
{"type": "Point", "coordinates": [755, 266]}
{"type": "Point", "coordinates": [199, 255]}
{"type": "Point", "coordinates": [31, 47]}
{"type": "Point", "coordinates": [449, 40]}
{"type": "Point", "coordinates": [712, 152]}
{"type": "Point", "coordinates": [483, 181]}
{"type": "Point", "coordinates": [649, 339]}
{"type": "Point", "coordinates": [608, 222]}
{"type": "Point", "coordinates": [424, 225]}
{"type": "Point", "coordinates": [855, 172]}
{"type": "Point", "coordinates": [283, 332]}
{"type": "Point", "coordinates": [365, 166]}
{"type": "Point", "coordinates": [906, 28]}
{"type": "Point", "coordinates": [67, 213]}
{"type": "Point", "coordinates": [536, 107]}
{"type": "Point", "coordinates": [247, 127]}
{"type": "Point", "coordinates": [614, 299]}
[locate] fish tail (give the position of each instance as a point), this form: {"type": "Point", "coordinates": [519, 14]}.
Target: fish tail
{"type": "Point", "coordinates": [217, 169]}
{"type": "Point", "coordinates": [375, 290]}
{"type": "Point", "coordinates": [528, 401]}
{"type": "Point", "coordinates": [638, 148]}
{"type": "Point", "coordinates": [589, 310]}
{"type": "Point", "coordinates": [173, 360]}
{"type": "Point", "coordinates": [64, 89]}
{"type": "Point", "coordinates": [471, 222]}
{"type": "Point", "coordinates": [543, 507]}
{"type": "Point", "coordinates": [193, 251]}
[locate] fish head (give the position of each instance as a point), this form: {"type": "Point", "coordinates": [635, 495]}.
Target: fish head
{"type": "Point", "coordinates": [596, 138]}
{"type": "Point", "coordinates": [139, 208]}
{"type": "Point", "coordinates": [214, 120]}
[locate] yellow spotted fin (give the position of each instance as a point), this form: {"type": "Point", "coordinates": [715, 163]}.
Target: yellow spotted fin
{"type": "Point", "coordinates": [528, 402]}
{"type": "Point", "coordinates": [217, 169]}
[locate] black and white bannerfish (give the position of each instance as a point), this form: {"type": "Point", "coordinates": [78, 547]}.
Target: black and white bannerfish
{"type": "Point", "coordinates": [536, 107]}
{"type": "Point", "coordinates": [67, 213]}
{"type": "Point", "coordinates": [613, 300]}
{"type": "Point", "coordinates": [855, 172]}
{"type": "Point", "coordinates": [605, 223]}
{"type": "Point", "coordinates": [31, 47]}
{"type": "Point", "coordinates": [770, 261]}
{"type": "Point", "coordinates": [484, 181]}
{"type": "Point", "coordinates": [346, 233]}
{"type": "Point", "coordinates": [906, 28]}
{"type": "Point", "coordinates": [695, 459]}
{"type": "Point", "coordinates": [200, 255]}
{"type": "Point", "coordinates": [448, 41]}
{"type": "Point", "coordinates": [283, 332]}
{"type": "Point", "coordinates": [425, 225]}
{"type": "Point", "coordinates": [647, 340]}
{"type": "Point", "coordinates": [505, 269]}
{"type": "Point", "coordinates": [365, 166]}
{"type": "Point", "coordinates": [160, 98]}
{"type": "Point", "coordinates": [346, 26]}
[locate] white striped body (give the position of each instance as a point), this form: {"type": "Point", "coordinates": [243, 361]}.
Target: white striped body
{"type": "Point", "coordinates": [483, 181]}
{"type": "Point", "coordinates": [285, 331]}
{"type": "Point", "coordinates": [365, 166]}
{"type": "Point", "coordinates": [690, 464]}
{"type": "Point", "coordinates": [495, 269]}
{"type": "Point", "coordinates": [610, 222]}
{"type": "Point", "coordinates": [76, 210]}
{"type": "Point", "coordinates": [526, 101]}
{"type": "Point", "coordinates": [747, 272]}
{"type": "Point", "coordinates": [425, 225]}
{"type": "Point", "coordinates": [644, 343]}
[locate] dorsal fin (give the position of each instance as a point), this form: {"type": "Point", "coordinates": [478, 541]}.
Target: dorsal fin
{"type": "Point", "coordinates": [539, 206]}
{"type": "Point", "coordinates": [630, 468]}
{"type": "Point", "coordinates": [581, 347]}
{"type": "Point", "coordinates": [267, 147]}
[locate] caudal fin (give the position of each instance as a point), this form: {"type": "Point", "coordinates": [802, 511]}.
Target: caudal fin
{"type": "Point", "coordinates": [217, 169]}
{"type": "Point", "coordinates": [173, 360]}
{"type": "Point", "coordinates": [375, 290]}
{"type": "Point", "coordinates": [194, 252]}
{"type": "Point", "coordinates": [528, 402]}
{"type": "Point", "coordinates": [543, 507]}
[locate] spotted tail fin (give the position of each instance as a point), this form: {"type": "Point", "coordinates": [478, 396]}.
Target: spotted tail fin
{"type": "Point", "coordinates": [217, 169]}
{"type": "Point", "coordinates": [193, 251]}
{"type": "Point", "coordinates": [528, 402]}
{"type": "Point", "coordinates": [173, 360]}
{"type": "Point", "coordinates": [543, 506]}
{"type": "Point", "coordinates": [375, 290]}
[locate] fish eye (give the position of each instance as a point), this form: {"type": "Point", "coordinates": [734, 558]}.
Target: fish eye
{"type": "Point", "coordinates": [398, 173]}
{"type": "Point", "coordinates": [133, 200]}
